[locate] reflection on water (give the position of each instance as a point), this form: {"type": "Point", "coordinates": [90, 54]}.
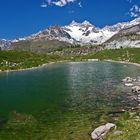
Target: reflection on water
{"type": "Point", "coordinates": [70, 98]}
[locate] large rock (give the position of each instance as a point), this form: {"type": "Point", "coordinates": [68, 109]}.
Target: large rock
{"type": "Point", "coordinates": [129, 84]}
{"type": "Point", "coordinates": [128, 79]}
{"type": "Point", "coordinates": [101, 131]}
{"type": "Point", "coordinates": [136, 89]}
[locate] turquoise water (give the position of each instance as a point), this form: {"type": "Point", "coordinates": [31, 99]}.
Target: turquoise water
{"type": "Point", "coordinates": [69, 98]}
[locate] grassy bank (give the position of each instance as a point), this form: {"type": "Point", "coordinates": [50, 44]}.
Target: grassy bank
{"type": "Point", "coordinates": [16, 60]}
{"type": "Point", "coordinates": [128, 127]}
{"type": "Point", "coordinates": [128, 54]}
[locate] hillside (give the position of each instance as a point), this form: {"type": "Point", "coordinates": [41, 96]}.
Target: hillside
{"type": "Point", "coordinates": [127, 54]}
{"type": "Point", "coordinates": [42, 45]}
{"type": "Point", "coordinates": [17, 60]}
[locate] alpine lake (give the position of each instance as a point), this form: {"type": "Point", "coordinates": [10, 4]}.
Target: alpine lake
{"type": "Point", "coordinates": [67, 100]}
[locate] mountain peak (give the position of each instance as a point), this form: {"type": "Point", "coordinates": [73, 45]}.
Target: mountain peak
{"type": "Point", "coordinates": [86, 23]}
{"type": "Point", "coordinates": [74, 23]}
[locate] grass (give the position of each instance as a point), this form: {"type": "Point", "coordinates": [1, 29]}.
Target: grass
{"type": "Point", "coordinates": [22, 127]}
{"type": "Point", "coordinates": [15, 60]}
{"type": "Point", "coordinates": [129, 126]}
{"type": "Point", "coordinates": [127, 54]}
{"type": "Point", "coordinates": [27, 127]}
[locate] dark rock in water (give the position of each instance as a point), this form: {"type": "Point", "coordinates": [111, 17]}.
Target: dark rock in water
{"type": "Point", "coordinates": [101, 131]}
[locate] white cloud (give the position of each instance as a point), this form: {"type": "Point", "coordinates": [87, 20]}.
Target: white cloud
{"type": "Point", "coordinates": [49, 1]}
{"type": "Point", "coordinates": [80, 4]}
{"type": "Point", "coordinates": [43, 5]}
{"type": "Point", "coordinates": [60, 3]}
{"type": "Point", "coordinates": [134, 11]}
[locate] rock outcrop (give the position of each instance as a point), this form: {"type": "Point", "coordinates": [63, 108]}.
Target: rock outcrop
{"type": "Point", "coordinates": [100, 132]}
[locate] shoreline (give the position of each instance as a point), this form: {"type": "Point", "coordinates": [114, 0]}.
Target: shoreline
{"type": "Point", "coordinates": [25, 69]}
{"type": "Point", "coordinates": [122, 62]}
{"type": "Point", "coordinates": [32, 68]}
{"type": "Point", "coordinates": [84, 60]}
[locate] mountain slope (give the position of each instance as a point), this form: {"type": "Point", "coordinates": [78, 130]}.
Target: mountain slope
{"type": "Point", "coordinates": [128, 37]}
{"type": "Point", "coordinates": [41, 45]}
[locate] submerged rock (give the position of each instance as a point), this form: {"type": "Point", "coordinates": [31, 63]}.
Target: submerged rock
{"type": "Point", "coordinates": [128, 81]}
{"type": "Point", "coordinates": [101, 131]}
{"type": "Point", "coordinates": [21, 118]}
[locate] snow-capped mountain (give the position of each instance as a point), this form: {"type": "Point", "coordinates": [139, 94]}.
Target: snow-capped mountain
{"type": "Point", "coordinates": [4, 44]}
{"type": "Point", "coordinates": [126, 37]}
{"type": "Point", "coordinates": [82, 33]}
{"type": "Point", "coordinates": [123, 25]}
{"type": "Point", "coordinates": [86, 33]}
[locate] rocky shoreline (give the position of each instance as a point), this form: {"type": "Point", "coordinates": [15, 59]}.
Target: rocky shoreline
{"type": "Point", "coordinates": [102, 131]}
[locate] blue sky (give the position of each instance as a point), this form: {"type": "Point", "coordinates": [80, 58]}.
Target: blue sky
{"type": "Point", "coordinates": [19, 18]}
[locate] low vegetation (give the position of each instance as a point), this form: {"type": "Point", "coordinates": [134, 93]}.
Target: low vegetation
{"type": "Point", "coordinates": [16, 60]}
{"type": "Point", "coordinates": [128, 127]}
{"type": "Point", "coordinates": [22, 127]}
{"type": "Point", "coordinates": [127, 54]}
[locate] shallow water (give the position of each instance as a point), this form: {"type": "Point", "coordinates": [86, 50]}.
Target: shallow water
{"type": "Point", "coordinates": [70, 98]}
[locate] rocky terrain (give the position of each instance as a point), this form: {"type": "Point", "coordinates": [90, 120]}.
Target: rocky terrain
{"type": "Point", "coordinates": [128, 37]}
{"type": "Point", "coordinates": [5, 44]}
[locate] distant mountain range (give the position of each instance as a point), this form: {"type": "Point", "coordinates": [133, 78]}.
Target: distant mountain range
{"type": "Point", "coordinates": [126, 34]}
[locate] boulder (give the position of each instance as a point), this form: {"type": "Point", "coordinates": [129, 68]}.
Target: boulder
{"type": "Point", "coordinates": [118, 133]}
{"type": "Point", "coordinates": [129, 84]}
{"type": "Point", "coordinates": [101, 131]}
{"type": "Point", "coordinates": [136, 89]}
{"type": "Point", "coordinates": [128, 80]}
